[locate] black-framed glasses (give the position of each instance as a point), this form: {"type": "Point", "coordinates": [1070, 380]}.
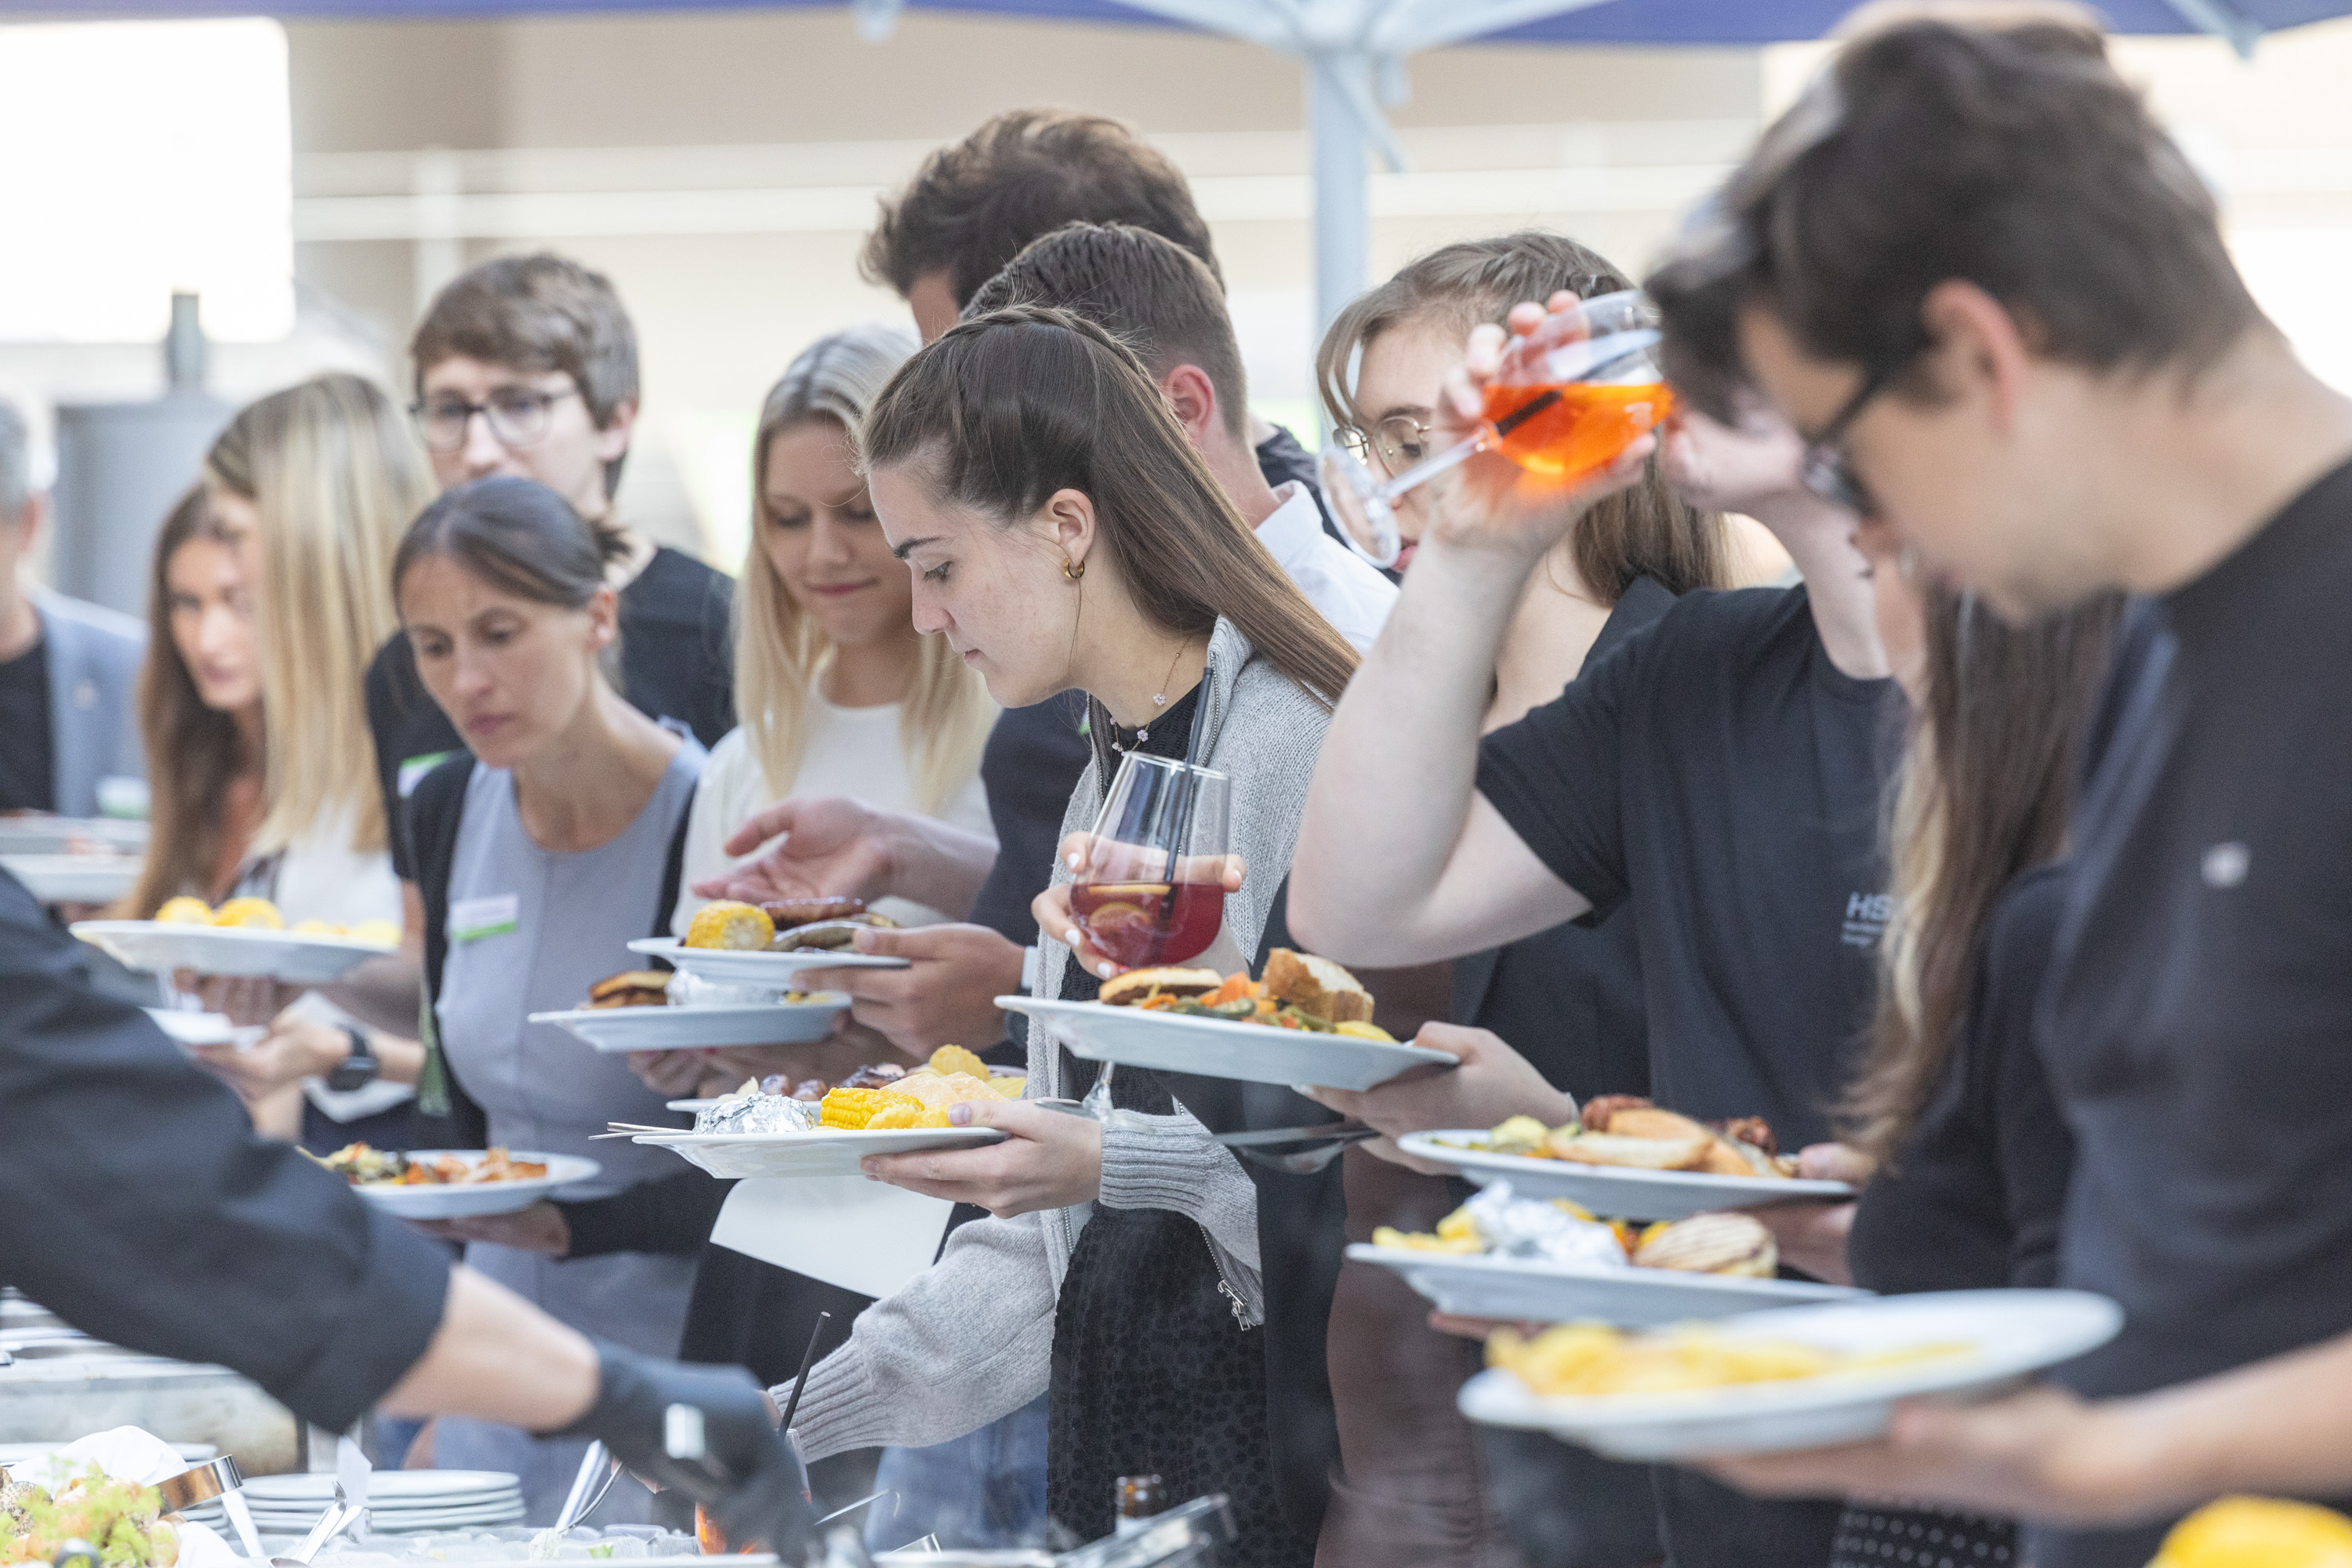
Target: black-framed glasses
{"type": "Point", "coordinates": [518, 415]}
{"type": "Point", "coordinates": [1826, 470]}
{"type": "Point", "coordinates": [1400, 441]}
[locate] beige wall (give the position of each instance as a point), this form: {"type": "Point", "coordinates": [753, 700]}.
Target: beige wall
{"type": "Point", "coordinates": [780, 129]}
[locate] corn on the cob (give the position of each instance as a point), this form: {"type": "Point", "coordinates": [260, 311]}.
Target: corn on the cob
{"type": "Point", "coordinates": [852, 1108]}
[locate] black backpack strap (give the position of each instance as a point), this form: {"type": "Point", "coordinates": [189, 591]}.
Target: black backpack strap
{"type": "Point", "coordinates": [447, 1116]}
{"type": "Point", "coordinates": [673, 873]}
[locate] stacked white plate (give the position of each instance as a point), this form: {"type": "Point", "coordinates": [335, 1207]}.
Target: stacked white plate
{"type": "Point", "coordinates": [399, 1501]}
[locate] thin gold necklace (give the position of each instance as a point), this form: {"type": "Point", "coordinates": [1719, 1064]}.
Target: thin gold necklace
{"type": "Point", "coordinates": [1159, 697]}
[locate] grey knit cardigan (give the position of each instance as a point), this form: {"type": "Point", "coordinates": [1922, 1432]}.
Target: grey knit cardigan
{"type": "Point", "coordinates": [971, 1339]}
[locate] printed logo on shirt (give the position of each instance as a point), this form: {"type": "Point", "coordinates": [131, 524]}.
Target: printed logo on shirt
{"type": "Point", "coordinates": [2225, 865]}
{"type": "Point", "coordinates": [1866, 915]}
{"type": "Point", "coordinates": [412, 772]}
{"type": "Point", "coordinates": [472, 920]}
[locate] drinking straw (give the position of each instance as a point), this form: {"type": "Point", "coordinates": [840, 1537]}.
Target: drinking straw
{"type": "Point", "coordinates": [800, 1379]}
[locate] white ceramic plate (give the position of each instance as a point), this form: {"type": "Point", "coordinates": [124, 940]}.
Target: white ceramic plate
{"type": "Point", "coordinates": [489, 1197]}
{"type": "Point", "coordinates": [203, 1028]}
{"type": "Point", "coordinates": [735, 966]}
{"type": "Point", "coordinates": [2013, 1333]}
{"type": "Point", "coordinates": [1215, 1047]}
{"type": "Point", "coordinates": [74, 879]}
{"type": "Point", "coordinates": [58, 834]}
{"type": "Point", "coordinates": [297, 958]}
{"type": "Point", "coordinates": [692, 1107]}
{"type": "Point", "coordinates": [824, 1151]}
{"type": "Point", "coordinates": [1613, 1192]}
{"type": "Point", "coordinates": [386, 1487]}
{"type": "Point", "coordinates": [1476, 1286]}
{"type": "Point", "coordinates": [616, 1029]}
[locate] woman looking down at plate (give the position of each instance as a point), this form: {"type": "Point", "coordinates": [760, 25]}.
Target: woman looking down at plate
{"type": "Point", "coordinates": [1065, 535]}
{"type": "Point", "coordinates": [539, 858]}
{"type": "Point", "coordinates": [271, 586]}
{"type": "Point", "coordinates": [841, 698]}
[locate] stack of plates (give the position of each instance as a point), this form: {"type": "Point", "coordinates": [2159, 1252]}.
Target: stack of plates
{"type": "Point", "coordinates": [399, 1501]}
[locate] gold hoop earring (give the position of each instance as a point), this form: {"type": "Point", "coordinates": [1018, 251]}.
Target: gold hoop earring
{"type": "Point", "coordinates": [1073, 570]}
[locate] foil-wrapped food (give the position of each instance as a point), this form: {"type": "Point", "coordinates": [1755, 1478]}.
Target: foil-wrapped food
{"type": "Point", "coordinates": [750, 1111]}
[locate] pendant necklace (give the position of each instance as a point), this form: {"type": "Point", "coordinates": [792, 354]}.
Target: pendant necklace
{"type": "Point", "coordinates": [1159, 697]}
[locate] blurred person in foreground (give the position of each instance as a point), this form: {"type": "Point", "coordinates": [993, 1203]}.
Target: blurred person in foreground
{"type": "Point", "coordinates": [137, 1203]}
{"type": "Point", "coordinates": [526, 366]}
{"type": "Point", "coordinates": [270, 587]}
{"type": "Point", "coordinates": [68, 670]}
{"type": "Point", "coordinates": [2011, 330]}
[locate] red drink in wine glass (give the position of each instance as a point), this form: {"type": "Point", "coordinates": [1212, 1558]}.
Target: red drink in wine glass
{"type": "Point", "coordinates": [1152, 890]}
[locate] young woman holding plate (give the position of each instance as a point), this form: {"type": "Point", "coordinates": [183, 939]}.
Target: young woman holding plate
{"type": "Point", "coordinates": [1065, 535]}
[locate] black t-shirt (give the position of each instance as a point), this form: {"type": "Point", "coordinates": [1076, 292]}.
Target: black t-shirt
{"type": "Point", "coordinates": [676, 662]}
{"type": "Point", "coordinates": [1721, 774]}
{"type": "Point", "coordinates": [1972, 1198]}
{"type": "Point", "coordinates": [2197, 1023]}
{"type": "Point", "coordinates": [28, 776]}
{"type": "Point", "coordinates": [1569, 999]}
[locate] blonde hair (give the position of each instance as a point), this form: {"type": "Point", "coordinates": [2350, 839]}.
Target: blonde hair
{"type": "Point", "coordinates": [780, 651]}
{"type": "Point", "coordinates": [335, 474]}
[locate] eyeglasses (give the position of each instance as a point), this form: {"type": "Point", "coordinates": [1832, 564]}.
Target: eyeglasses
{"type": "Point", "coordinates": [1399, 440]}
{"type": "Point", "coordinates": [1826, 470]}
{"type": "Point", "coordinates": [518, 417]}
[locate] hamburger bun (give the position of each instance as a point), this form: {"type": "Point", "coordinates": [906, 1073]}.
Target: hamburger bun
{"type": "Point", "coordinates": [631, 988]}
{"type": "Point", "coordinates": [1317, 986]}
{"type": "Point", "coordinates": [1712, 1244]}
{"type": "Point", "coordinates": [1128, 989]}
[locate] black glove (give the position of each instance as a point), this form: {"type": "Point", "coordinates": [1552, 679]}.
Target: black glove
{"type": "Point", "coordinates": [744, 1476]}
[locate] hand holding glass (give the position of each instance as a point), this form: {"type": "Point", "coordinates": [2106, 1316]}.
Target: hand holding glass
{"type": "Point", "coordinates": [1564, 412]}
{"type": "Point", "coordinates": [1152, 890]}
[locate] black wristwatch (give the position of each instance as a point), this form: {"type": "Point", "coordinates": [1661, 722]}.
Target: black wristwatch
{"type": "Point", "coordinates": [357, 1071]}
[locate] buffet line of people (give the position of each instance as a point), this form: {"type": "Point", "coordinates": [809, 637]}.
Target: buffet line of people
{"type": "Point", "coordinates": [1911, 764]}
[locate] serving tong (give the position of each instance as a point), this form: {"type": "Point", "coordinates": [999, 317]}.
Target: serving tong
{"type": "Point", "coordinates": [1297, 1151]}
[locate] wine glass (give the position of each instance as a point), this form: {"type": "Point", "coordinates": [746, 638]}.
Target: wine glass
{"type": "Point", "coordinates": [1152, 890]}
{"type": "Point", "coordinates": [1564, 413]}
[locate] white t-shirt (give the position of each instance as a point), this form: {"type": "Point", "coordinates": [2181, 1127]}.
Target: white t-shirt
{"type": "Point", "coordinates": [851, 752]}
{"type": "Point", "coordinates": [1349, 590]}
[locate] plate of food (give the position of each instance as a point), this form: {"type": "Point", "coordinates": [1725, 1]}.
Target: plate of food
{"type": "Point", "coordinates": [1545, 1259]}
{"type": "Point", "coordinates": [1627, 1157]}
{"type": "Point", "coordinates": [454, 1183]}
{"type": "Point", "coordinates": [1798, 1377]}
{"type": "Point", "coordinates": [637, 1011]}
{"type": "Point", "coordinates": [244, 936]}
{"type": "Point", "coordinates": [816, 1129]}
{"type": "Point", "coordinates": [732, 944]}
{"type": "Point", "coordinates": [1309, 1021]}
{"type": "Point", "coordinates": [74, 879]}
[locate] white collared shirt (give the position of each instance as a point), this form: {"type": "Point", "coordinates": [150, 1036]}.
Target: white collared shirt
{"type": "Point", "coordinates": [1349, 590]}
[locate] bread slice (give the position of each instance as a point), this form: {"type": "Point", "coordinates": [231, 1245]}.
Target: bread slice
{"type": "Point", "coordinates": [1317, 986]}
{"type": "Point", "coordinates": [631, 988]}
{"type": "Point", "coordinates": [1138, 984]}
{"type": "Point", "coordinates": [1712, 1244]}
{"type": "Point", "coordinates": [1649, 1122]}
{"type": "Point", "coordinates": [1633, 1153]}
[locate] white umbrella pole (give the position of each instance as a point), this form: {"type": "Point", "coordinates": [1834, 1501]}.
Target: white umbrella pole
{"type": "Point", "coordinates": [1342, 219]}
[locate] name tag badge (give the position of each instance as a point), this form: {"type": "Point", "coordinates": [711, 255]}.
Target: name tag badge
{"type": "Point", "coordinates": [472, 920]}
{"type": "Point", "coordinates": [413, 771]}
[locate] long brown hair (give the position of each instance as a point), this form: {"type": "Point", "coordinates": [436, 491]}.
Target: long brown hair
{"type": "Point", "coordinates": [1985, 789]}
{"type": "Point", "coordinates": [194, 753]}
{"type": "Point", "coordinates": [1644, 531]}
{"type": "Point", "coordinates": [1008, 408]}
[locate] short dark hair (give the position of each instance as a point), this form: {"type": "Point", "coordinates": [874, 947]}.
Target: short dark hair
{"type": "Point", "coordinates": [976, 204]}
{"type": "Point", "coordinates": [538, 313]}
{"type": "Point", "coordinates": [515, 535]}
{"type": "Point", "coordinates": [1151, 294]}
{"type": "Point", "coordinates": [2011, 157]}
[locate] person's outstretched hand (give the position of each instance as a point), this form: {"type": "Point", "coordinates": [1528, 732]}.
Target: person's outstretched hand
{"type": "Point", "coordinates": [831, 847]}
{"type": "Point", "coordinates": [744, 1475]}
{"type": "Point", "coordinates": [1745, 467]}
